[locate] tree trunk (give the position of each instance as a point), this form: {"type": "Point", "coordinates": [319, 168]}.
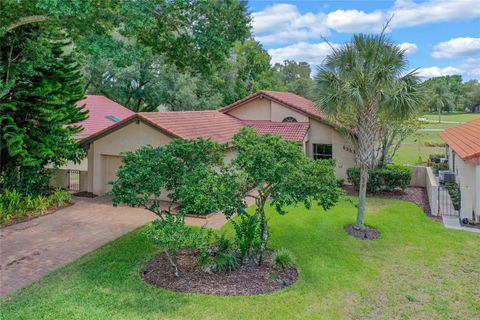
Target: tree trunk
{"type": "Point", "coordinates": [362, 197]}
{"type": "Point", "coordinates": [263, 245]}
{"type": "Point", "coordinates": [175, 268]}
{"type": "Point", "coordinates": [439, 114]}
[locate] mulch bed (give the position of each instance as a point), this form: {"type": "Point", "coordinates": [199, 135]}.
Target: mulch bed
{"type": "Point", "coordinates": [35, 214]}
{"type": "Point", "coordinates": [417, 195]}
{"type": "Point", "coordinates": [85, 194]}
{"type": "Point", "coordinates": [367, 233]}
{"type": "Point", "coordinates": [244, 281]}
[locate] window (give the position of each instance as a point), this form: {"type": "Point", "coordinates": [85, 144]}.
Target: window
{"type": "Point", "coordinates": [322, 151]}
{"type": "Point", "coordinates": [289, 119]}
{"type": "Point", "coordinates": [112, 118]}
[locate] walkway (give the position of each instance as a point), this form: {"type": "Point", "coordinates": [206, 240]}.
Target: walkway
{"type": "Point", "coordinates": [31, 249]}
{"type": "Point", "coordinates": [451, 222]}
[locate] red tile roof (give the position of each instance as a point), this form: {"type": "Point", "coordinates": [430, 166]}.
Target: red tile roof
{"type": "Point", "coordinates": [99, 107]}
{"type": "Point", "coordinates": [211, 124]}
{"type": "Point", "coordinates": [464, 139]}
{"type": "Point", "coordinates": [291, 131]}
{"type": "Point", "coordinates": [285, 98]}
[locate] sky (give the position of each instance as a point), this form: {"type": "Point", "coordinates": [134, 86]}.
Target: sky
{"type": "Point", "coordinates": [441, 37]}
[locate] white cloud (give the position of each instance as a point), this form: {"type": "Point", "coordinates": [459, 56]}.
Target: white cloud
{"type": "Point", "coordinates": [457, 47]}
{"type": "Point", "coordinates": [432, 72]}
{"type": "Point", "coordinates": [313, 53]}
{"type": "Point", "coordinates": [468, 68]}
{"type": "Point", "coordinates": [283, 23]}
{"type": "Point", "coordinates": [408, 13]}
{"type": "Point", "coordinates": [355, 21]}
{"type": "Point", "coordinates": [410, 48]}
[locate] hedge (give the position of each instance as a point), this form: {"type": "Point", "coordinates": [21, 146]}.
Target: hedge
{"type": "Point", "coordinates": [387, 178]}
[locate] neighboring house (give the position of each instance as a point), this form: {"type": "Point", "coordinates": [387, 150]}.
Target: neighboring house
{"type": "Point", "coordinates": [463, 152]}
{"type": "Point", "coordinates": [292, 117]}
{"type": "Point", "coordinates": [102, 113]}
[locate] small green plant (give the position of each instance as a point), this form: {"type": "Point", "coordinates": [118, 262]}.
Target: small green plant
{"type": "Point", "coordinates": [171, 234]}
{"type": "Point", "coordinates": [219, 256]}
{"type": "Point", "coordinates": [60, 197]}
{"type": "Point", "coordinates": [247, 235]}
{"type": "Point", "coordinates": [340, 182]}
{"type": "Point", "coordinates": [283, 259]}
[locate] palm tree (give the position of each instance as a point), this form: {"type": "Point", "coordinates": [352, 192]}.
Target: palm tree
{"type": "Point", "coordinates": [359, 81]}
{"type": "Point", "coordinates": [441, 97]}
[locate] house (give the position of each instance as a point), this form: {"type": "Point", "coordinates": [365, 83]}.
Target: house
{"type": "Point", "coordinates": [102, 113]}
{"type": "Point", "coordinates": [292, 117]}
{"type": "Point", "coordinates": [463, 152]}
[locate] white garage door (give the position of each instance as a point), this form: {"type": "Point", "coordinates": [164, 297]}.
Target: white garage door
{"type": "Point", "coordinates": [110, 165]}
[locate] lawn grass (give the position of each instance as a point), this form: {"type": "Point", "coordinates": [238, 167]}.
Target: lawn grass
{"type": "Point", "coordinates": [414, 151]}
{"type": "Point", "coordinates": [416, 270]}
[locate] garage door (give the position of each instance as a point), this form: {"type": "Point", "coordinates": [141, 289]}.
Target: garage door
{"type": "Point", "coordinates": [110, 165]}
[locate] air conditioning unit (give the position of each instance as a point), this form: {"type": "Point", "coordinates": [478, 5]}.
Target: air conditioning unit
{"type": "Point", "coordinates": [446, 176]}
{"type": "Point", "coordinates": [449, 177]}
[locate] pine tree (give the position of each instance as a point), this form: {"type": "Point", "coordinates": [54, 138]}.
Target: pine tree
{"type": "Point", "coordinates": [39, 112]}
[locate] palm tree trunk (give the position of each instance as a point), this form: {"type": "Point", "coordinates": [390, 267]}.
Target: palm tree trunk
{"type": "Point", "coordinates": [362, 197]}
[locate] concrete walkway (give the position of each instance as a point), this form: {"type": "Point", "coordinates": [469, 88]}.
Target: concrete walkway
{"type": "Point", "coordinates": [31, 249]}
{"type": "Point", "coordinates": [452, 222]}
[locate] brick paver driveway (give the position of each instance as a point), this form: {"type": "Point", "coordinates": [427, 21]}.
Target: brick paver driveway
{"type": "Point", "coordinates": [31, 249]}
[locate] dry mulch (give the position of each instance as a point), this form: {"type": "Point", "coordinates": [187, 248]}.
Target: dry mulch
{"type": "Point", "coordinates": [417, 195]}
{"type": "Point", "coordinates": [85, 194]}
{"type": "Point", "coordinates": [245, 281]}
{"type": "Point", "coordinates": [367, 233]}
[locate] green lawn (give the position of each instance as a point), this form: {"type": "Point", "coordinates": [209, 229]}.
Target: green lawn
{"type": "Point", "coordinates": [416, 270]}
{"type": "Point", "coordinates": [414, 150]}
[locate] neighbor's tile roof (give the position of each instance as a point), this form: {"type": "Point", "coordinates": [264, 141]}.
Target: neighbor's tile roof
{"type": "Point", "coordinates": [286, 98]}
{"type": "Point", "coordinates": [464, 139]}
{"type": "Point", "coordinates": [211, 124]}
{"type": "Point", "coordinates": [292, 131]}
{"type": "Point", "coordinates": [99, 107]}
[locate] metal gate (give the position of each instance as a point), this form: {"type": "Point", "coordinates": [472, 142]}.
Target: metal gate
{"type": "Point", "coordinates": [445, 204]}
{"type": "Point", "coordinates": [74, 180]}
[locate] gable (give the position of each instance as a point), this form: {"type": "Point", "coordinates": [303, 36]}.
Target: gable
{"type": "Point", "coordinates": [262, 108]}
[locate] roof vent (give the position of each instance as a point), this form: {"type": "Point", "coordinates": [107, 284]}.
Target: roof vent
{"type": "Point", "coordinates": [112, 118]}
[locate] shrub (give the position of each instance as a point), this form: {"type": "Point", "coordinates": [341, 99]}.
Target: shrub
{"type": "Point", "coordinates": [433, 143]}
{"type": "Point", "coordinates": [340, 182]}
{"type": "Point", "coordinates": [60, 197]}
{"type": "Point", "coordinates": [171, 234]}
{"type": "Point", "coordinates": [435, 158]}
{"type": "Point", "coordinates": [454, 191]}
{"type": "Point", "coordinates": [219, 257]}
{"type": "Point", "coordinates": [387, 178]}
{"type": "Point", "coordinates": [247, 235]}
{"type": "Point", "coordinates": [283, 259]}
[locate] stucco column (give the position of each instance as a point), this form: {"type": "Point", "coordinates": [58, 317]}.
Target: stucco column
{"type": "Point", "coordinates": [476, 192]}
{"type": "Point", "coordinates": [90, 168]}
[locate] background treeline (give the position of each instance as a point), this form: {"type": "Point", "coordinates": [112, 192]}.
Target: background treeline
{"type": "Point", "coordinates": [152, 54]}
{"type": "Point", "coordinates": [449, 93]}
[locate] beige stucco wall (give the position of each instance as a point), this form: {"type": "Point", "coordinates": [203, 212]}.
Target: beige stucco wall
{"type": "Point", "coordinates": [257, 109]}
{"type": "Point", "coordinates": [264, 109]}
{"type": "Point", "coordinates": [468, 177]}
{"type": "Point", "coordinates": [279, 112]}
{"type": "Point", "coordinates": [103, 154]}
{"type": "Point", "coordinates": [321, 133]}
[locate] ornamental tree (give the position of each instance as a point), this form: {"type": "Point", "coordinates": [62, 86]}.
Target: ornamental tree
{"type": "Point", "coordinates": [179, 170]}
{"type": "Point", "coordinates": [281, 173]}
